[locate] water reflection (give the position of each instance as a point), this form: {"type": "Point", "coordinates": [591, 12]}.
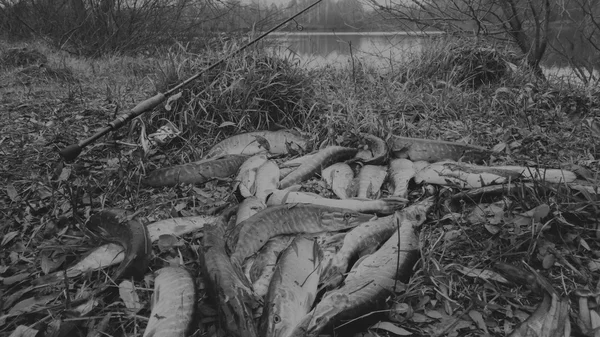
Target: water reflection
{"type": "Point", "coordinates": [379, 50]}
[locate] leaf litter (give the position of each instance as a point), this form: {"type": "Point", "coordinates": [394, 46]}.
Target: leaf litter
{"type": "Point", "coordinates": [454, 290]}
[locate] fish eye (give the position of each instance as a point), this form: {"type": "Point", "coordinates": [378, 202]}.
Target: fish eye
{"type": "Point", "coordinates": [276, 319]}
{"type": "Point", "coordinates": [347, 216]}
{"type": "Point", "coordinates": [418, 217]}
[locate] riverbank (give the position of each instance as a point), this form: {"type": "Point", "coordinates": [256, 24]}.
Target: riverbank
{"type": "Point", "coordinates": [460, 92]}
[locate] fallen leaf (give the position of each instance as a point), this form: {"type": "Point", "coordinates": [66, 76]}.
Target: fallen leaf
{"type": "Point", "coordinates": [130, 297]}
{"type": "Point", "coordinates": [477, 317]}
{"type": "Point", "coordinates": [387, 326]}
{"type": "Point", "coordinates": [30, 304]}
{"type": "Point", "coordinates": [420, 318]}
{"type": "Point", "coordinates": [24, 331]}
{"type": "Point", "coordinates": [548, 261]}
{"type": "Point", "coordinates": [226, 124]}
{"type": "Point", "coordinates": [483, 274]}
{"type": "Point", "coordinates": [12, 192]}
{"type": "Point", "coordinates": [8, 237]}
{"type": "Point", "coordinates": [433, 314]}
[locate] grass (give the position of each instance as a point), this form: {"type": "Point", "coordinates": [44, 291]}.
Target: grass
{"type": "Point", "coordinates": [457, 91]}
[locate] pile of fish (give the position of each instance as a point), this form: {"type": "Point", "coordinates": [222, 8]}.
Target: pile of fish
{"type": "Point", "coordinates": [289, 262]}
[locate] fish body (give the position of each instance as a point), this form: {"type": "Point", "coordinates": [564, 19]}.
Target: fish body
{"type": "Point", "coordinates": [296, 161]}
{"type": "Point", "coordinates": [195, 173]}
{"type": "Point", "coordinates": [370, 180]}
{"type": "Point", "coordinates": [293, 288]}
{"type": "Point", "coordinates": [112, 253]}
{"type": "Point", "coordinates": [267, 179]}
{"type": "Point", "coordinates": [228, 286]}
{"type": "Point", "coordinates": [376, 152]}
{"type": "Point", "coordinates": [338, 177]}
{"type": "Point", "coordinates": [316, 163]}
{"type": "Point", "coordinates": [173, 303]}
{"type": "Point", "coordinates": [379, 206]}
{"type": "Point", "coordinates": [367, 237]}
{"type": "Point", "coordinates": [114, 226]}
{"type": "Point", "coordinates": [546, 174]}
{"type": "Point", "coordinates": [368, 284]}
{"type": "Point", "coordinates": [450, 173]}
{"type": "Point", "coordinates": [248, 208]}
{"type": "Point", "coordinates": [250, 235]}
{"type": "Point", "coordinates": [263, 266]}
{"type": "Point", "coordinates": [400, 172]}
{"type": "Point", "coordinates": [246, 175]}
{"type": "Point", "coordinates": [251, 143]}
{"type": "Point", "coordinates": [435, 150]}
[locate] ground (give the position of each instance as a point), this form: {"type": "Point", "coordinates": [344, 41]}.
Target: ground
{"type": "Point", "coordinates": [49, 103]}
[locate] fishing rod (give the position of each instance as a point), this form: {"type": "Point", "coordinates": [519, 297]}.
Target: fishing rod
{"type": "Point", "coordinates": [72, 151]}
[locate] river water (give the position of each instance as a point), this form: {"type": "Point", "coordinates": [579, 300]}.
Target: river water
{"type": "Point", "coordinates": [383, 50]}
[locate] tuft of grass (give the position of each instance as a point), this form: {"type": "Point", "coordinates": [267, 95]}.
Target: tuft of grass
{"type": "Point", "coordinates": [532, 123]}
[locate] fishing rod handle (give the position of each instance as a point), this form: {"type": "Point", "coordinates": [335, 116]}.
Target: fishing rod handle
{"type": "Point", "coordinates": [72, 151]}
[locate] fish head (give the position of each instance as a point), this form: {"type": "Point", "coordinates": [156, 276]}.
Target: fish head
{"type": "Point", "coordinates": [416, 213]}
{"type": "Point", "coordinates": [344, 218]}
{"type": "Point", "coordinates": [276, 325]}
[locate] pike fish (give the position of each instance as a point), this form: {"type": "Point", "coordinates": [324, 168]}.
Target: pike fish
{"type": "Point", "coordinates": [366, 238]}
{"type": "Point", "coordinates": [250, 235]}
{"type": "Point", "coordinates": [231, 291]}
{"type": "Point", "coordinates": [379, 206]}
{"type": "Point", "coordinates": [435, 150]}
{"type": "Point", "coordinates": [195, 173]}
{"type": "Point", "coordinates": [316, 163]}
{"type": "Point", "coordinates": [338, 177]}
{"type": "Point", "coordinates": [370, 180]}
{"type": "Point", "coordinates": [262, 268]}
{"type": "Point", "coordinates": [401, 171]}
{"type": "Point", "coordinates": [251, 143]}
{"type": "Point", "coordinates": [246, 176]}
{"type": "Point", "coordinates": [115, 226]}
{"type": "Point", "coordinates": [267, 180]}
{"type": "Point", "coordinates": [248, 208]}
{"type": "Point", "coordinates": [376, 152]}
{"type": "Point", "coordinates": [293, 288]}
{"type": "Point", "coordinates": [368, 284]}
{"type": "Point", "coordinates": [173, 303]}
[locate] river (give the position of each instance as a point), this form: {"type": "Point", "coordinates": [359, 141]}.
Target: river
{"type": "Point", "coordinates": [383, 50]}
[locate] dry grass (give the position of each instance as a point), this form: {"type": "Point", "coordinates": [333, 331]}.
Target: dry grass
{"type": "Point", "coordinates": [477, 99]}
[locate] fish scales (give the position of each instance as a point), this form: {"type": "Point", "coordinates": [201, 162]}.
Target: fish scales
{"type": "Point", "coordinates": [377, 151]}
{"type": "Point", "coordinates": [114, 226]}
{"type": "Point", "coordinates": [261, 271]}
{"type": "Point", "coordinates": [435, 150]}
{"type": "Point", "coordinates": [230, 290]}
{"type": "Point", "coordinates": [401, 171]}
{"type": "Point", "coordinates": [370, 180]}
{"type": "Point", "coordinates": [316, 163]}
{"type": "Point", "coordinates": [173, 303]}
{"type": "Point", "coordinates": [369, 236]}
{"type": "Point", "coordinates": [379, 206]}
{"type": "Point", "coordinates": [250, 235]}
{"type": "Point", "coordinates": [248, 208]}
{"type": "Point", "coordinates": [195, 173]}
{"type": "Point", "coordinates": [246, 176]}
{"type": "Point", "coordinates": [267, 179]}
{"type": "Point", "coordinates": [368, 285]}
{"type": "Point", "coordinates": [274, 142]}
{"type": "Point", "coordinates": [338, 177]}
{"type": "Point", "coordinates": [293, 288]}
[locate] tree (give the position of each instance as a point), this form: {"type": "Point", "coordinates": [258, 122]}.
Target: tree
{"type": "Point", "coordinates": [523, 22]}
